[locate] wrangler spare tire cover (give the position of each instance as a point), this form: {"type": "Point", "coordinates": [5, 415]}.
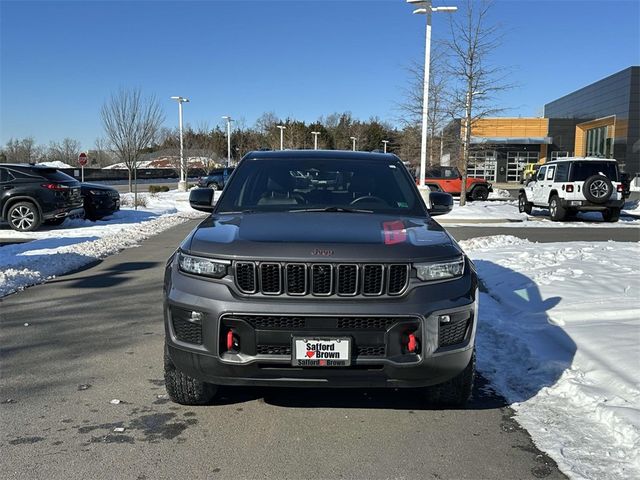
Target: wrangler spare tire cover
{"type": "Point", "coordinates": [597, 189]}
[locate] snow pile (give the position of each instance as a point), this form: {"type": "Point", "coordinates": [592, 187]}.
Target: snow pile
{"type": "Point", "coordinates": [485, 211]}
{"type": "Point", "coordinates": [55, 164]}
{"type": "Point", "coordinates": [78, 242]}
{"type": "Point", "coordinates": [559, 337]}
{"type": "Point", "coordinates": [499, 193]}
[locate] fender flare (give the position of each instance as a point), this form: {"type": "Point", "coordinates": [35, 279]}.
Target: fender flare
{"type": "Point", "coordinates": [17, 198]}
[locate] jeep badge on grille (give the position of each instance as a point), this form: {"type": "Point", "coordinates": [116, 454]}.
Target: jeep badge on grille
{"type": "Point", "coordinates": [321, 252]}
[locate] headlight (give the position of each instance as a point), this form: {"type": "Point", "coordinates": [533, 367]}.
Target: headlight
{"type": "Point", "coordinates": [202, 266]}
{"type": "Point", "coordinates": [98, 192]}
{"type": "Point", "coordinates": [429, 272]}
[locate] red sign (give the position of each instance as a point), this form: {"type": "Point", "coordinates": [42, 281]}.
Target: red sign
{"type": "Point", "coordinates": [82, 159]}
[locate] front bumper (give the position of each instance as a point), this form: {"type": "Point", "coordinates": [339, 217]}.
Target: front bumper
{"type": "Point", "coordinates": [219, 308]}
{"type": "Point", "coordinates": [64, 213]}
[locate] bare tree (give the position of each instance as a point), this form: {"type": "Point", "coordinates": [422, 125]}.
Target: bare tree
{"type": "Point", "coordinates": [22, 150]}
{"type": "Point", "coordinates": [131, 123]}
{"type": "Point", "coordinates": [65, 151]}
{"type": "Point", "coordinates": [439, 101]}
{"type": "Point", "coordinates": [473, 39]}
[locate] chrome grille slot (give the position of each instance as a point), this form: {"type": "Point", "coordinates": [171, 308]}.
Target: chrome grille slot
{"type": "Point", "coordinates": [296, 278]}
{"type": "Point", "coordinates": [397, 276]}
{"type": "Point", "coordinates": [321, 278]}
{"type": "Point", "coordinates": [270, 278]}
{"type": "Point", "coordinates": [372, 279]}
{"type": "Point", "coordinates": [246, 276]}
{"type": "Point", "coordinates": [347, 280]}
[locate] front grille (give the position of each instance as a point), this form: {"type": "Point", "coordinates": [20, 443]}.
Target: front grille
{"type": "Point", "coordinates": [187, 331]}
{"type": "Point", "coordinates": [452, 333]}
{"type": "Point", "coordinates": [274, 322]}
{"type": "Point", "coordinates": [321, 279]}
{"type": "Point", "coordinates": [370, 350]}
{"type": "Point", "coordinates": [365, 323]}
{"type": "Point", "coordinates": [273, 349]}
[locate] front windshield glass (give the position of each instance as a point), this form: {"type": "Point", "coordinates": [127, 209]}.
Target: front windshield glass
{"type": "Point", "coordinates": [276, 185]}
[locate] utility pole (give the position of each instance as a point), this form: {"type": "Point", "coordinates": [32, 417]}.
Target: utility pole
{"type": "Point", "coordinates": [182, 184]}
{"type": "Point", "coordinates": [425, 8]}
{"type": "Point", "coordinates": [229, 120]}
{"type": "Point", "coordinates": [315, 139]}
{"type": "Point", "coordinates": [282, 129]}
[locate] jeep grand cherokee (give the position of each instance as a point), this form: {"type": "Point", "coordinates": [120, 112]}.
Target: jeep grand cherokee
{"type": "Point", "coordinates": [340, 281]}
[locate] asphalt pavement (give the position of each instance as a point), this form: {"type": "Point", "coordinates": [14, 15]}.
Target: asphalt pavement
{"type": "Point", "coordinates": [71, 346]}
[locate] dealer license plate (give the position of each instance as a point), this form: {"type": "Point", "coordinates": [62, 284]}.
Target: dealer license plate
{"type": "Point", "coordinates": [321, 352]}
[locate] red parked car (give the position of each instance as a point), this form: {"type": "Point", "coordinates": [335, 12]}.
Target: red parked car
{"type": "Point", "coordinates": [448, 179]}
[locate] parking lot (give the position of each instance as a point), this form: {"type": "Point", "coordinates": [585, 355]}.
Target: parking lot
{"type": "Point", "coordinates": [72, 350]}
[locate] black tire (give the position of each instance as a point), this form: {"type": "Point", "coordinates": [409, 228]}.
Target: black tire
{"type": "Point", "coordinates": [597, 189]}
{"type": "Point", "coordinates": [523, 205]}
{"type": "Point", "coordinates": [213, 186]}
{"type": "Point", "coordinates": [184, 389]}
{"type": "Point", "coordinates": [611, 215]}
{"type": "Point", "coordinates": [24, 217]}
{"type": "Point", "coordinates": [55, 221]}
{"type": "Point", "coordinates": [556, 211]}
{"type": "Point", "coordinates": [457, 391]}
{"type": "Point", "coordinates": [480, 193]}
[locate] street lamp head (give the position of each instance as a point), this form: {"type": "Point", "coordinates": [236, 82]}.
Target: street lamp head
{"type": "Point", "coordinates": [180, 99]}
{"type": "Point", "coordinates": [227, 118]}
{"type": "Point", "coordinates": [444, 9]}
{"type": "Point", "coordinates": [281, 127]}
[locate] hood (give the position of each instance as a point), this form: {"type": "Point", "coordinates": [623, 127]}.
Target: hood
{"type": "Point", "coordinates": [321, 236]}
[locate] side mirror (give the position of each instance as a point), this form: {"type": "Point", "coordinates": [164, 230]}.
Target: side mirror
{"type": "Point", "coordinates": [441, 203]}
{"type": "Point", "coordinates": [201, 199]}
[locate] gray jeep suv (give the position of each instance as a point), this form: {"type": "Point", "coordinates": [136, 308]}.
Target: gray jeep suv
{"type": "Point", "coordinates": [342, 280]}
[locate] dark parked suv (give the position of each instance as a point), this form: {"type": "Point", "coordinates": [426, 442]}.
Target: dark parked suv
{"type": "Point", "coordinates": [217, 179]}
{"type": "Point", "coordinates": [31, 195]}
{"type": "Point", "coordinates": [341, 283]}
{"type": "Point", "coordinates": [99, 201]}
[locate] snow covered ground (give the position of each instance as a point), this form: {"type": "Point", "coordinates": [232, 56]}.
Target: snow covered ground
{"type": "Point", "coordinates": [505, 213]}
{"type": "Point", "coordinates": [78, 242]}
{"type": "Point", "coordinates": [55, 164]}
{"type": "Point", "coordinates": [559, 338]}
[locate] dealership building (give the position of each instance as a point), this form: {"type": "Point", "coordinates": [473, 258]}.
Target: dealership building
{"type": "Point", "coordinates": [599, 120]}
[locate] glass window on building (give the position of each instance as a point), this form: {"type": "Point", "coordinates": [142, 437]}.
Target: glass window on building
{"type": "Point", "coordinates": [516, 162]}
{"type": "Point", "coordinates": [598, 144]}
{"type": "Point", "coordinates": [482, 164]}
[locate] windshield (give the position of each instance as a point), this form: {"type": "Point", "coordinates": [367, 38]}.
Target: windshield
{"type": "Point", "coordinates": [276, 185]}
{"type": "Point", "coordinates": [582, 170]}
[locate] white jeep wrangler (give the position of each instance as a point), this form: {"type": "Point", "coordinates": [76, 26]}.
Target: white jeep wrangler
{"type": "Point", "coordinates": [569, 185]}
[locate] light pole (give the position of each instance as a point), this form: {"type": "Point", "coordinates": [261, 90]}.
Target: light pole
{"type": "Point", "coordinates": [182, 184]}
{"type": "Point", "coordinates": [425, 8]}
{"type": "Point", "coordinates": [385, 145]}
{"type": "Point", "coordinates": [315, 139]}
{"type": "Point", "coordinates": [282, 128]}
{"type": "Point", "coordinates": [354, 140]}
{"type": "Point", "coordinates": [228, 119]}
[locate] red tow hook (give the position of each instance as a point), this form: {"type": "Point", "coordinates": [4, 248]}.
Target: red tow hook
{"type": "Point", "coordinates": [232, 341]}
{"type": "Point", "coordinates": [412, 344]}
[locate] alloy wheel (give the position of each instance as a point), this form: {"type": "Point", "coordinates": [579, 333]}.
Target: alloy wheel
{"type": "Point", "coordinates": [599, 189]}
{"type": "Point", "coordinates": [22, 218]}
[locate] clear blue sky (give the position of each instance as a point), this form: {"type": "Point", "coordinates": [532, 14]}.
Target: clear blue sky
{"type": "Point", "coordinates": [61, 60]}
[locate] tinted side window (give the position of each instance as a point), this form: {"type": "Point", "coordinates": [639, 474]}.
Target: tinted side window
{"type": "Point", "coordinates": [550, 171]}
{"type": "Point", "coordinates": [3, 175]}
{"type": "Point", "coordinates": [582, 170]}
{"type": "Point", "coordinates": [562, 172]}
{"type": "Point", "coordinates": [541, 173]}
{"type": "Point", "coordinates": [54, 175]}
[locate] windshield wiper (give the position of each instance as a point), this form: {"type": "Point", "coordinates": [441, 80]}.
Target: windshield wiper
{"type": "Point", "coordinates": [332, 209]}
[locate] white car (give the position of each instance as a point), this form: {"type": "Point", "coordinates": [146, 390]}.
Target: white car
{"type": "Point", "coordinates": [575, 184]}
